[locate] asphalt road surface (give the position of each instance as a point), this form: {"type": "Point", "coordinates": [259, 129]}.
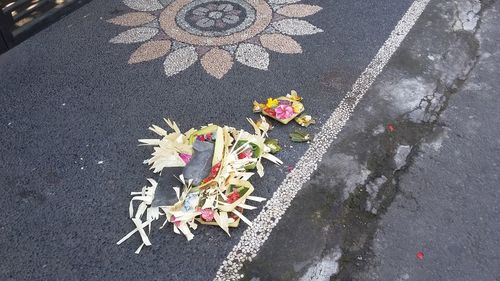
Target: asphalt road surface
{"type": "Point", "coordinates": [73, 107]}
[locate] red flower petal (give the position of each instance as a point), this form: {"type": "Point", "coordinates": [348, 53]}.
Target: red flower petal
{"type": "Point", "coordinates": [245, 154]}
{"type": "Point", "coordinates": [231, 198]}
{"type": "Point", "coordinates": [270, 112]}
{"type": "Point", "coordinates": [420, 255]}
{"type": "Point", "coordinates": [391, 128]}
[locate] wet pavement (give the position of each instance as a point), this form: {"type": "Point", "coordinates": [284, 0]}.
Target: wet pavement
{"type": "Point", "coordinates": [73, 110]}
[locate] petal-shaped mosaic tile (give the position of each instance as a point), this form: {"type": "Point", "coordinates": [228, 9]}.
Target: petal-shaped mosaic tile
{"type": "Point", "coordinates": [135, 35]}
{"type": "Point", "coordinates": [279, 2]}
{"type": "Point", "coordinates": [280, 43]}
{"type": "Point", "coordinates": [150, 50]}
{"type": "Point", "coordinates": [253, 56]}
{"type": "Point", "coordinates": [298, 10]}
{"type": "Point", "coordinates": [217, 62]}
{"type": "Point", "coordinates": [180, 60]}
{"type": "Point", "coordinates": [217, 32]}
{"type": "Point", "coordinates": [296, 27]}
{"type": "Point", "coordinates": [143, 5]}
{"type": "Point", "coordinates": [133, 19]}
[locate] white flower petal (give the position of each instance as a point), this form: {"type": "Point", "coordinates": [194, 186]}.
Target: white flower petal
{"type": "Point", "coordinates": [296, 27]}
{"type": "Point", "coordinates": [143, 5]}
{"type": "Point", "coordinates": [177, 45]}
{"type": "Point", "coordinates": [179, 60]}
{"type": "Point", "coordinates": [205, 22]}
{"type": "Point", "coordinates": [225, 7]}
{"type": "Point", "coordinates": [253, 56]}
{"type": "Point", "coordinates": [200, 11]}
{"type": "Point", "coordinates": [230, 48]}
{"type": "Point", "coordinates": [165, 2]}
{"type": "Point", "coordinates": [134, 35]}
{"type": "Point", "coordinates": [279, 2]}
{"type": "Point", "coordinates": [230, 19]}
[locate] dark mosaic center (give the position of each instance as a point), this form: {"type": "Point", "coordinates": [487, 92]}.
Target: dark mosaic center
{"type": "Point", "coordinates": [216, 16]}
{"type": "Point", "coordinates": [212, 18]}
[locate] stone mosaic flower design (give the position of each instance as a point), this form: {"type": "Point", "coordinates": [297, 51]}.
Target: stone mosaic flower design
{"type": "Point", "coordinates": [215, 32]}
{"type": "Point", "coordinates": [215, 16]}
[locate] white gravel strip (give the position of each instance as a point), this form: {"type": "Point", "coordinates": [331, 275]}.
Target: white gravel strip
{"type": "Point", "coordinates": [255, 236]}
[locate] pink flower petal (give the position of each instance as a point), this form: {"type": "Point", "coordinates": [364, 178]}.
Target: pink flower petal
{"type": "Point", "coordinates": [207, 214]}
{"type": "Point", "coordinates": [185, 157]}
{"type": "Point", "coordinates": [284, 111]}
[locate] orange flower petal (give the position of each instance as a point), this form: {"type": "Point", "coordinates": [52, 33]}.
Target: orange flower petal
{"type": "Point", "coordinates": [132, 19]}
{"type": "Point", "coordinates": [280, 43]}
{"type": "Point", "coordinates": [217, 62]}
{"type": "Point", "coordinates": [150, 50]}
{"type": "Point", "coordinates": [298, 10]}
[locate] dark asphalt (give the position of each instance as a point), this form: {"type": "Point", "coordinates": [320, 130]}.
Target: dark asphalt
{"type": "Point", "coordinates": [68, 100]}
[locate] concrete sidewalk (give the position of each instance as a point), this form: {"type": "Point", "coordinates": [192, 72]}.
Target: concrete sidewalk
{"type": "Point", "coordinates": [448, 201]}
{"type": "Point", "coordinates": [415, 170]}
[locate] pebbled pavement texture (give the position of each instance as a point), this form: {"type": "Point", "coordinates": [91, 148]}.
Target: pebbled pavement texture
{"type": "Point", "coordinates": [69, 101]}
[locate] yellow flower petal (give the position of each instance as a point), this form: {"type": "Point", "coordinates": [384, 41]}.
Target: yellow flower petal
{"type": "Point", "coordinates": [294, 96]}
{"type": "Point", "coordinates": [272, 103]}
{"type": "Point", "coordinates": [305, 120]}
{"type": "Point", "coordinates": [257, 107]}
{"type": "Point", "coordinates": [297, 107]}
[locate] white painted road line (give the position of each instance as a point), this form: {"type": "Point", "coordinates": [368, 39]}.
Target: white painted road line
{"type": "Point", "coordinates": [254, 237]}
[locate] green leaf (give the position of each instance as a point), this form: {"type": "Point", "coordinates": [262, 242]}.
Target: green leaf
{"type": "Point", "coordinates": [300, 136]}
{"type": "Point", "coordinates": [274, 145]}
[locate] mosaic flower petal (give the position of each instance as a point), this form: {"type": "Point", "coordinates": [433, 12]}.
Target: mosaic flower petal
{"type": "Point", "coordinates": [278, 2]}
{"type": "Point", "coordinates": [134, 35]}
{"type": "Point", "coordinates": [143, 5]}
{"type": "Point", "coordinates": [132, 19]}
{"type": "Point", "coordinates": [200, 11]}
{"type": "Point", "coordinates": [296, 27]}
{"type": "Point", "coordinates": [298, 10]}
{"type": "Point", "coordinates": [180, 60]}
{"type": "Point", "coordinates": [230, 19]}
{"type": "Point", "coordinates": [280, 43]}
{"type": "Point", "coordinates": [166, 2]}
{"type": "Point", "coordinates": [205, 22]}
{"type": "Point", "coordinates": [217, 62]}
{"type": "Point", "coordinates": [253, 56]}
{"type": "Point", "coordinates": [215, 32]}
{"type": "Point", "coordinates": [225, 7]}
{"type": "Point", "coordinates": [150, 50]}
